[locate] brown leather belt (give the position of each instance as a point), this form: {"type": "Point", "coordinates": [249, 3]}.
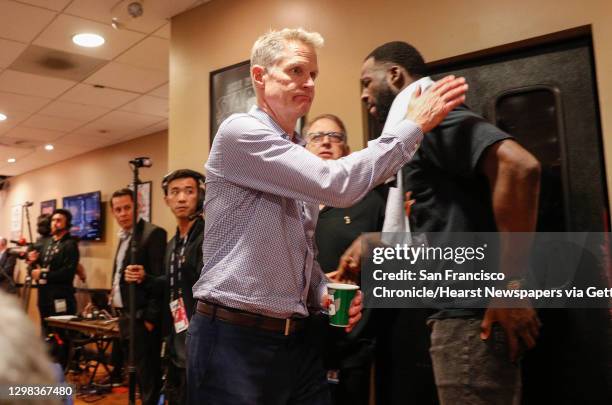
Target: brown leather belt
{"type": "Point", "coordinates": [241, 318]}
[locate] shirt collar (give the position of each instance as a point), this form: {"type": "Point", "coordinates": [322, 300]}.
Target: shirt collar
{"type": "Point", "coordinates": [263, 116]}
{"type": "Point", "coordinates": [123, 234]}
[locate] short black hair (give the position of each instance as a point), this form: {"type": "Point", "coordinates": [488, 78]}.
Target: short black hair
{"type": "Point", "coordinates": [198, 177]}
{"type": "Point", "coordinates": [65, 213]}
{"type": "Point", "coordinates": [402, 54]}
{"type": "Point", "coordinates": [120, 193]}
{"type": "Point", "coordinates": [43, 224]}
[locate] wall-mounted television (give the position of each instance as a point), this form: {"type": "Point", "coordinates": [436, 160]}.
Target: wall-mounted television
{"type": "Point", "coordinates": [86, 212]}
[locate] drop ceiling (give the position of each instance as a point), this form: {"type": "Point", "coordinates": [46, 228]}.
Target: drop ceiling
{"type": "Point", "coordinates": [80, 99]}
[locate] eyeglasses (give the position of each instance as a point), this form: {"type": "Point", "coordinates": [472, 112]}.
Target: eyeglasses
{"type": "Point", "coordinates": [318, 137]}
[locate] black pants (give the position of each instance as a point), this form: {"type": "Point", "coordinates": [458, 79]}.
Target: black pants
{"type": "Point", "coordinates": [229, 364]}
{"type": "Point", "coordinates": [46, 307]}
{"type": "Point", "coordinates": [176, 385]}
{"type": "Point", "coordinates": [147, 347]}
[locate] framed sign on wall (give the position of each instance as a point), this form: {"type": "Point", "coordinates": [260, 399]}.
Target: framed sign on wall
{"type": "Point", "coordinates": [230, 92]}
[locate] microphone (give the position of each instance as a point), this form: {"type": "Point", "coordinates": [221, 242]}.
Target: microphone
{"type": "Point", "coordinates": [28, 204]}
{"type": "Point", "coordinates": [196, 214]}
{"type": "Point", "coordinates": [141, 162]}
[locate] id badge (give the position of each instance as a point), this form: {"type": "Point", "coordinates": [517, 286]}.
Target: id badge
{"type": "Point", "coordinates": [60, 306]}
{"type": "Point", "coordinates": [179, 315]}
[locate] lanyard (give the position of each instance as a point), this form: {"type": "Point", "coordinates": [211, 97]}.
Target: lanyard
{"type": "Point", "coordinates": [176, 262]}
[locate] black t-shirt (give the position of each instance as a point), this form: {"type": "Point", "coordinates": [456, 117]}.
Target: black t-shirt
{"type": "Point", "coordinates": [451, 193]}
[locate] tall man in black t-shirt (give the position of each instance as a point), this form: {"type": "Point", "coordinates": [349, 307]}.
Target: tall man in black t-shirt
{"type": "Point", "coordinates": [467, 176]}
{"type": "Point", "coordinates": [184, 195]}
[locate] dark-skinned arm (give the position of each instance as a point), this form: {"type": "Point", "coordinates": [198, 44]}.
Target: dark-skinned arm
{"type": "Point", "coordinates": [514, 179]}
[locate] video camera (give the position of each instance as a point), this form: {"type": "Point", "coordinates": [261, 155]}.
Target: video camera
{"type": "Point", "coordinates": [43, 227]}
{"type": "Point", "coordinates": [21, 249]}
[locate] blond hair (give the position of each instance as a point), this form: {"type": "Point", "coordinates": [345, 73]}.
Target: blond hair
{"type": "Point", "coordinates": [269, 47]}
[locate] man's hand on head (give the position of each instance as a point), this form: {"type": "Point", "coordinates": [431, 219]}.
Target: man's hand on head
{"type": "Point", "coordinates": [428, 109]}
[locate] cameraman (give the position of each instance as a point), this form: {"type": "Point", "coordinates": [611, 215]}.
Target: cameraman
{"type": "Point", "coordinates": [54, 262]}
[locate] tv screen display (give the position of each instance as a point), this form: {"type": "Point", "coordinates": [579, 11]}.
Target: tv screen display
{"type": "Point", "coordinates": [86, 212]}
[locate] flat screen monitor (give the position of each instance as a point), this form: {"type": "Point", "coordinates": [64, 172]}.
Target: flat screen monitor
{"type": "Point", "coordinates": [86, 212]}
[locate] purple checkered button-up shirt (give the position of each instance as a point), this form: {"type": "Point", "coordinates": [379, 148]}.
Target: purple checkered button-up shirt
{"type": "Point", "coordinates": [262, 203]}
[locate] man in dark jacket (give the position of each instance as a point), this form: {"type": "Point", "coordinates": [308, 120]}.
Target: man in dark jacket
{"type": "Point", "coordinates": [184, 195]}
{"type": "Point", "coordinates": [55, 266]}
{"type": "Point", "coordinates": [150, 246]}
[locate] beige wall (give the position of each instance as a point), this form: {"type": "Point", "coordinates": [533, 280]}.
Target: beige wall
{"type": "Point", "coordinates": [105, 170]}
{"type": "Point", "coordinates": [221, 33]}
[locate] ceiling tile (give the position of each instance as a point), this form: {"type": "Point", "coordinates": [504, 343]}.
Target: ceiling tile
{"type": "Point", "coordinates": [12, 121]}
{"type": "Point", "coordinates": [74, 111]}
{"type": "Point", "coordinates": [12, 18]}
{"type": "Point", "coordinates": [56, 5]}
{"type": "Point", "coordinates": [7, 152]}
{"type": "Point", "coordinates": [52, 123]}
{"type": "Point", "coordinates": [11, 102]}
{"type": "Point", "coordinates": [125, 77]}
{"type": "Point", "coordinates": [160, 126]}
{"type": "Point", "coordinates": [151, 53]}
{"type": "Point", "coordinates": [32, 134]}
{"type": "Point", "coordinates": [148, 105]}
{"type": "Point", "coordinates": [104, 11]}
{"type": "Point", "coordinates": [103, 97]}
{"type": "Point", "coordinates": [9, 51]}
{"type": "Point", "coordinates": [33, 85]}
{"type": "Point", "coordinates": [83, 140]}
{"type": "Point", "coordinates": [163, 32]}
{"type": "Point", "coordinates": [49, 62]}
{"type": "Point", "coordinates": [161, 91]}
{"type": "Point", "coordinates": [41, 158]}
{"type": "Point", "coordinates": [58, 35]}
{"type": "Point", "coordinates": [117, 124]}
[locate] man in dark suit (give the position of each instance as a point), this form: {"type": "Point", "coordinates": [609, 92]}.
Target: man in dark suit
{"type": "Point", "coordinates": [150, 247]}
{"type": "Point", "coordinates": [7, 267]}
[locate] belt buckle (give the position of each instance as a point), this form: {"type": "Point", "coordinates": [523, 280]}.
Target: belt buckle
{"type": "Point", "coordinates": [287, 326]}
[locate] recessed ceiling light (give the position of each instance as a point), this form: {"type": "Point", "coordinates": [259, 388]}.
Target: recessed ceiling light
{"type": "Point", "coordinates": [49, 147]}
{"type": "Point", "coordinates": [11, 160]}
{"type": "Point", "coordinates": [88, 40]}
{"type": "Point", "coordinates": [3, 117]}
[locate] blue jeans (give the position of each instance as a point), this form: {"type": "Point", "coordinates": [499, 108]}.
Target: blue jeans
{"type": "Point", "coordinates": [469, 370]}
{"type": "Point", "coordinates": [235, 365]}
